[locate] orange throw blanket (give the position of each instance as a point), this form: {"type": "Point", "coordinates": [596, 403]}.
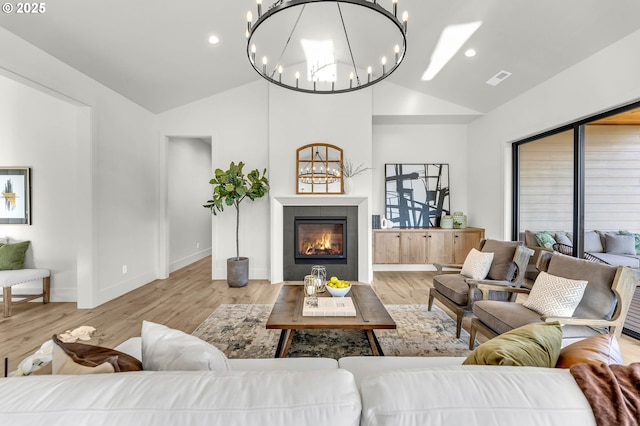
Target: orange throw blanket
{"type": "Point", "coordinates": [613, 391]}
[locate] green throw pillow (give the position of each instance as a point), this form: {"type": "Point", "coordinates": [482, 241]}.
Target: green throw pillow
{"type": "Point", "coordinates": [534, 345]}
{"type": "Point", "coordinates": [544, 239]}
{"type": "Point", "coordinates": [12, 255]}
{"type": "Point", "coordinates": [637, 237]}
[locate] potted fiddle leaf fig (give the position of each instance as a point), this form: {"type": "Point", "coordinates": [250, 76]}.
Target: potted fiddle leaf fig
{"type": "Point", "coordinates": [230, 188]}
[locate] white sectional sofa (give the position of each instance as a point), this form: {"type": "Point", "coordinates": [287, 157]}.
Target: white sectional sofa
{"type": "Point", "coordinates": [368, 391]}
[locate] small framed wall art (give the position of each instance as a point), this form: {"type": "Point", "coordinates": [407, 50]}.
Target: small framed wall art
{"type": "Point", "coordinates": [15, 196]}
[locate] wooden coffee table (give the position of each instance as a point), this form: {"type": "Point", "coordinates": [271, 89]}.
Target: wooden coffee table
{"type": "Point", "coordinates": [287, 316]}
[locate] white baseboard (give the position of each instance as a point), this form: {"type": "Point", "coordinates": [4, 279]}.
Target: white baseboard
{"type": "Point", "coordinates": [186, 261]}
{"type": "Point", "coordinates": [107, 294]}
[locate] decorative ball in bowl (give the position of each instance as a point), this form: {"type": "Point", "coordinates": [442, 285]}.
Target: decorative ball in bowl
{"type": "Point", "coordinates": [338, 288]}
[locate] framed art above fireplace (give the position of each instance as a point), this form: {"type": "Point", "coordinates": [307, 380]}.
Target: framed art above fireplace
{"type": "Point", "coordinates": [416, 195]}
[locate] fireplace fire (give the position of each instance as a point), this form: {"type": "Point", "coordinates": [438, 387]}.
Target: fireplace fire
{"type": "Point", "coordinates": [321, 238]}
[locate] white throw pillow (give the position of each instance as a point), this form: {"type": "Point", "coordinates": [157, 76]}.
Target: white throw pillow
{"type": "Point", "coordinates": [477, 264]}
{"type": "Point", "coordinates": [554, 296]}
{"type": "Point", "coordinates": [166, 349]}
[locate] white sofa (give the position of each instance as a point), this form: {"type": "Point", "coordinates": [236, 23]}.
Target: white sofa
{"type": "Point", "coordinates": [368, 391]}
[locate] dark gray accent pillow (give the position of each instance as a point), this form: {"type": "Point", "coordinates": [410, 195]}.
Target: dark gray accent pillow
{"type": "Point", "coordinates": [502, 268]}
{"type": "Point", "coordinates": [620, 244]}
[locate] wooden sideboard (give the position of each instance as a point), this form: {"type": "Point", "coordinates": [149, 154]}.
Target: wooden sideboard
{"type": "Point", "coordinates": [424, 245]}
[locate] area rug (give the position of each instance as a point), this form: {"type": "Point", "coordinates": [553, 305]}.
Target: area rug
{"type": "Point", "coordinates": [239, 331]}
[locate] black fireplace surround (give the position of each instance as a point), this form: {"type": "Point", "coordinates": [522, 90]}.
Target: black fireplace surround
{"type": "Point", "coordinates": [341, 260]}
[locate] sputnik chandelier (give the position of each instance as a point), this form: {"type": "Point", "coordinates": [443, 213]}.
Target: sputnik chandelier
{"type": "Point", "coordinates": [326, 46]}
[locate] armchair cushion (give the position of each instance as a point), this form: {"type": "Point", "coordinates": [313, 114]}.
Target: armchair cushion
{"type": "Point", "coordinates": [477, 264]}
{"type": "Point", "coordinates": [593, 242]}
{"type": "Point", "coordinates": [502, 317]}
{"type": "Point", "coordinates": [535, 345]}
{"type": "Point", "coordinates": [562, 238]}
{"type": "Point", "coordinates": [598, 301]}
{"type": "Point", "coordinates": [502, 267]}
{"type": "Point", "coordinates": [554, 296]}
{"type": "Point", "coordinates": [455, 288]}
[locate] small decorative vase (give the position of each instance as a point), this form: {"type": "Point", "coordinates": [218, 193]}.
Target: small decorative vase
{"type": "Point", "coordinates": [446, 222]}
{"type": "Point", "coordinates": [348, 185]}
{"type": "Point", "coordinates": [459, 220]}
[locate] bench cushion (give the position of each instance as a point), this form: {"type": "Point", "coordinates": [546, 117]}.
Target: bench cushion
{"type": "Point", "coordinates": [19, 276]}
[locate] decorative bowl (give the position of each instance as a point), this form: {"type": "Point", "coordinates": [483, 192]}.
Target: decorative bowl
{"type": "Point", "coordinates": [338, 292]}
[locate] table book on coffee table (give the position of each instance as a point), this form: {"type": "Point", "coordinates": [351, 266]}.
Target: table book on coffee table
{"type": "Point", "coordinates": [328, 307]}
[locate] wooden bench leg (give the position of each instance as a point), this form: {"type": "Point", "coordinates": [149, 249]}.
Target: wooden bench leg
{"type": "Point", "coordinates": [6, 298]}
{"type": "Point", "coordinates": [46, 289]}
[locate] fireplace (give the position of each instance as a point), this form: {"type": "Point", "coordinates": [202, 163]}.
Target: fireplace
{"type": "Point", "coordinates": [320, 235]}
{"type": "Point", "coordinates": [320, 239]}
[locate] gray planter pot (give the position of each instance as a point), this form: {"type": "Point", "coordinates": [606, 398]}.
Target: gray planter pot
{"type": "Point", "coordinates": [237, 272]}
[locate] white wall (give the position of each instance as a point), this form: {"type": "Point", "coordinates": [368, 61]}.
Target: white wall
{"type": "Point", "coordinates": [39, 131]}
{"type": "Point", "coordinates": [422, 144]}
{"type": "Point", "coordinates": [607, 79]}
{"type": "Point", "coordinates": [116, 161]}
{"type": "Point", "coordinates": [189, 172]}
{"type": "Point", "coordinates": [237, 122]}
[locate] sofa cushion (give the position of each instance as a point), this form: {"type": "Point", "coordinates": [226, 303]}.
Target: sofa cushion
{"type": "Point", "coordinates": [477, 264]}
{"type": "Point", "coordinates": [553, 296]}
{"type": "Point", "coordinates": [363, 367]}
{"type": "Point", "coordinates": [620, 244]}
{"type": "Point", "coordinates": [503, 267]}
{"type": "Point", "coordinates": [533, 345]}
{"type": "Point", "coordinates": [598, 301]}
{"type": "Point", "coordinates": [455, 288]}
{"type": "Point", "coordinates": [165, 349]}
{"type": "Point", "coordinates": [545, 239]}
{"type": "Point", "coordinates": [599, 349]}
{"type": "Point", "coordinates": [162, 398]}
{"type": "Point", "coordinates": [475, 395]}
{"type": "Point", "coordinates": [618, 259]}
{"type": "Point", "coordinates": [80, 358]}
{"type": "Point", "coordinates": [12, 255]}
{"type": "Point", "coordinates": [593, 242]}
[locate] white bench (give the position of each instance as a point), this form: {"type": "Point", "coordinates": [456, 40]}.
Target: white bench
{"type": "Point", "coordinates": [21, 276]}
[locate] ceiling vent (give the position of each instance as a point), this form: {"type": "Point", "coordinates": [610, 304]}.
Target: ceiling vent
{"type": "Point", "coordinates": [498, 78]}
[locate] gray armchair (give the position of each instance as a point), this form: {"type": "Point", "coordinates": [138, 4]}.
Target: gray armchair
{"type": "Point", "coordinates": [602, 309]}
{"type": "Point", "coordinates": [458, 292]}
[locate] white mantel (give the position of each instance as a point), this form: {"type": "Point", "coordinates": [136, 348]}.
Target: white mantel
{"type": "Point", "coordinates": [365, 265]}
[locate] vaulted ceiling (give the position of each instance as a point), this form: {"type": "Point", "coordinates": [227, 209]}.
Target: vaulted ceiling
{"type": "Point", "coordinates": [157, 54]}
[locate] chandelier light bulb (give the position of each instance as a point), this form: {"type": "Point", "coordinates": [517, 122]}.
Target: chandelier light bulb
{"type": "Point", "coordinates": [280, 73]}
{"type": "Point", "coordinates": [369, 70]}
{"type": "Point", "coordinates": [259, 3]}
{"type": "Point", "coordinates": [253, 53]}
{"type": "Point", "coordinates": [396, 51]}
{"type": "Point", "coordinates": [405, 19]}
{"type": "Point", "coordinates": [249, 16]}
{"type": "Point", "coordinates": [264, 65]}
{"type": "Point", "coordinates": [350, 80]}
{"type": "Point", "coordinates": [297, 78]}
{"type": "Point", "coordinates": [384, 64]}
{"type": "Point", "coordinates": [395, 7]}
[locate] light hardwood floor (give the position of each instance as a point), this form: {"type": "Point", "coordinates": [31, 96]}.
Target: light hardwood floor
{"type": "Point", "coordinates": [183, 301]}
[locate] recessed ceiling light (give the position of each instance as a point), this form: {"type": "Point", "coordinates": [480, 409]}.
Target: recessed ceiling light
{"type": "Point", "coordinates": [470, 53]}
{"type": "Point", "coordinates": [214, 40]}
